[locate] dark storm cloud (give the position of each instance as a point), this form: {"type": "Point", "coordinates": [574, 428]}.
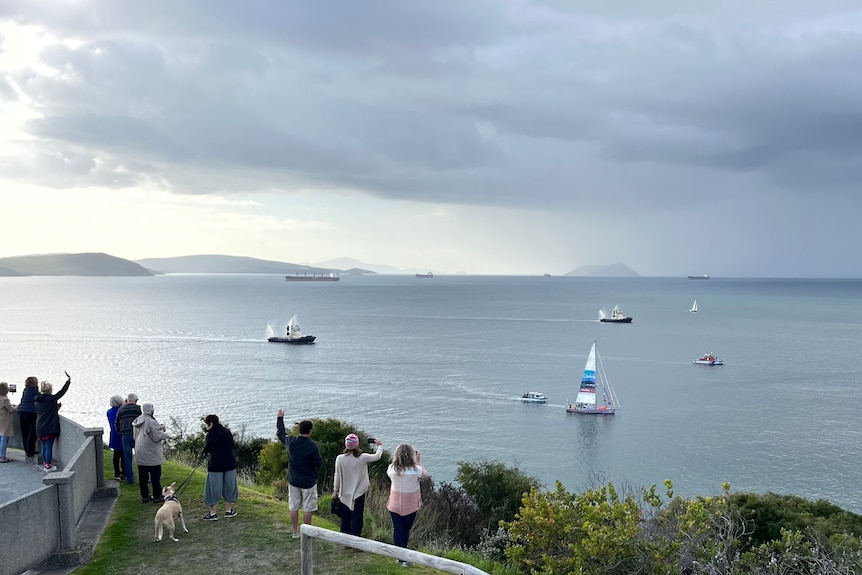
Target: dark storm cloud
{"type": "Point", "coordinates": [489, 103]}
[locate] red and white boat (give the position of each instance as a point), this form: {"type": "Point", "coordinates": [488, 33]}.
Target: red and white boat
{"type": "Point", "coordinates": [709, 359]}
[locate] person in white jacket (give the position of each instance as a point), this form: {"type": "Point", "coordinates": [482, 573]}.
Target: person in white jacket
{"type": "Point", "coordinates": [351, 482]}
{"type": "Point", "coordinates": [150, 437]}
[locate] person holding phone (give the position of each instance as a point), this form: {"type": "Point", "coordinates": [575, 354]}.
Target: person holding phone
{"type": "Point", "coordinates": [351, 482]}
{"type": "Point", "coordinates": [404, 472]}
{"type": "Point", "coordinates": [7, 423]}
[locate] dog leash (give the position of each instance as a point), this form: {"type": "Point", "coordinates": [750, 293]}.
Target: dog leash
{"type": "Point", "coordinates": [187, 479]}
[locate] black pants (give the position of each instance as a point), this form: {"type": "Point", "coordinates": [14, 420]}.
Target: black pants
{"type": "Point", "coordinates": [118, 463]}
{"type": "Point", "coordinates": [147, 474]}
{"type": "Point", "coordinates": [28, 432]}
{"type": "Point", "coordinates": [351, 521]}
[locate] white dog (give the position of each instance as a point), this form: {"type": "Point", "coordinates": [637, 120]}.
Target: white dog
{"type": "Point", "coordinates": [168, 512]}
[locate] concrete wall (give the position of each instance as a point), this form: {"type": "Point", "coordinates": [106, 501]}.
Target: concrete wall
{"type": "Point", "coordinates": [29, 539]}
{"type": "Point", "coordinates": [44, 520]}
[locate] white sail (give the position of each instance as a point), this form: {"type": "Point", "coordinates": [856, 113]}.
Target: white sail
{"type": "Point", "coordinates": [693, 306]}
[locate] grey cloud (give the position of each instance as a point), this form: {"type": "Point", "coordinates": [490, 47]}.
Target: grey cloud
{"type": "Point", "coordinates": [490, 103]}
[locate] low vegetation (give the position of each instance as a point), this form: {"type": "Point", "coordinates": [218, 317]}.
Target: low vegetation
{"type": "Point", "coordinates": [495, 517]}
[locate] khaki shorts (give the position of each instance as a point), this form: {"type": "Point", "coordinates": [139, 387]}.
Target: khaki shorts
{"type": "Point", "coordinates": [299, 498]}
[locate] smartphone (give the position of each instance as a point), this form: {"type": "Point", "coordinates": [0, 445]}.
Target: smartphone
{"type": "Point", "coordinates": [372, 441]}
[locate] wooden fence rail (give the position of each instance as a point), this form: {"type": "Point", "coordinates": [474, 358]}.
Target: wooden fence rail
{"type": "Point", "coordinates": [310, 532]}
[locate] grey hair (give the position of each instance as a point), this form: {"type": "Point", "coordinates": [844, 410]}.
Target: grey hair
{"type": "Point", "coordinates": [117, 401]}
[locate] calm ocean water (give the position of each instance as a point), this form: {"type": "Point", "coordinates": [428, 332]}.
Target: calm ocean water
{"type": "Point", "coordinates": [440, 363]}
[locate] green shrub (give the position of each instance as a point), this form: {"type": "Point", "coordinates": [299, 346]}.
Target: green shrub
{"type": "Point", "coordinates": [770, 513]}
{"type": "Point", "coordinates": [560, 532]}
{"type": "Point", "coordinates": [272, 463]}
{"type": "Point", "coordinates": [455, 513]}
{"type": "Point", "coordinates": [496, 488]}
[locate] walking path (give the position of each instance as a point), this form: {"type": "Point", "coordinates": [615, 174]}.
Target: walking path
{"type": "Point", "coordinates": [17, 478]}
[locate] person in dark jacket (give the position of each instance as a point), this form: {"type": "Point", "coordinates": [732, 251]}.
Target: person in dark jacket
{"type": "Point", "coordinates": [221, 469]}
{"type": "Point", "coordinates": [48, 419]}
{"type": "Point", "coordinates": [303, 462]}
{"type": "Point", "coordinates": [27, 416]}
{"type": "Point", "coordinates": [115, 443]}
{"type": "Point", "coordinates": [125, 416]}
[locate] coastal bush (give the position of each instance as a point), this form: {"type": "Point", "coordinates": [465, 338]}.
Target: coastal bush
{"type": "Point", "coordinates": [601, 532]}
{"type": "Point", "coordinates": [770, 513]}
{"type": "Point", "coordinates": [496, 488]}
{"type": "Point", "coordinates": [449, 510]}
{"type": "Point", "coordinates": [272, 463]}
{"type": "Point", "coordinates": [188, 447]}
{"type": "Point", "coordinates": [595, 532]}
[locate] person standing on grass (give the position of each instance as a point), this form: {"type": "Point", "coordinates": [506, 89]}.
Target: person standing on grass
{"type": "Point", "coordinates": [150, 439]}
{"type": "Point", "coordinates": [115, 442]}
{"type": "Point", "coordinates": [7, 421]}
{"type": "Point", "coordinates": [221, 469]}
{"type": "Point", "coordinates": [303, 462]}
{"type": "Point", "coordinates": [351, 482]}
{"type": "Point", "coordinates": [129, 412]}
{"type": "Point", "coordinates": [48, 419]}
{"type": "Point", "coordinates": [27, 417]}
{"type": "Point", "coordinates": [405, 471]}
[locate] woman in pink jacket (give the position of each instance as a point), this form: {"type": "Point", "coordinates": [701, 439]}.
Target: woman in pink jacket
{"type": "Point", "coordinates": [405, 471]}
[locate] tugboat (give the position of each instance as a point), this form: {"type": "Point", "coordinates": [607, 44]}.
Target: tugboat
{"type": "Point", "coordinates": [617, 316]}
{"type": "Point", "coordinates": [293, 335]}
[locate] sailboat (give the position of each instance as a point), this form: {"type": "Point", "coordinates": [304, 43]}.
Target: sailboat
{"type": "Point", "coordinates": [693, 307]}
{"type": "Point", "coordinates": [594, 378]}
{"type": "Point", "coordinates": [293, 335]}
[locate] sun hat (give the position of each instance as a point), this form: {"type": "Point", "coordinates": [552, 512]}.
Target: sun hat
{"type": "Point", "coordinates": [351, 441]}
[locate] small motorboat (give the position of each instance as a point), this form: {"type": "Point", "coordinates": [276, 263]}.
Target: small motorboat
{"type": "Point", "coordinates": [534, 397]}
{"type": "Point", "coordinates": [708, 359]}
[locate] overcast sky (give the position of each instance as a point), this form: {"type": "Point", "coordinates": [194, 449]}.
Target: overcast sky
{"type": "Point", "coordinates": [487, 137]}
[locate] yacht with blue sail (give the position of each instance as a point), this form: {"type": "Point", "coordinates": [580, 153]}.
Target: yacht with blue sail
{"type": "Point", "coordinates": [594, 379]}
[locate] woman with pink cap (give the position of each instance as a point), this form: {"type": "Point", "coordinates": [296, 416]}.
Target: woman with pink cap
{"type": "Point", "coordinates": [351, 482]}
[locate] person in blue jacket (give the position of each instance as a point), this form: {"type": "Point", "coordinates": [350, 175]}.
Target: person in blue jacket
{"type": "Point", "coordinates": [27, 417]}
{"type": "Point", "coordinates": [303, 462]}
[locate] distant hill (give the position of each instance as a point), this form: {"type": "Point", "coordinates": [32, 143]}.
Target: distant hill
{"type": "Point", "coordinates": [6, 272]}
{"type": "Point", "coordinates": [370, 268]}
{"type": "Point", "coordinates": [71, 265]}
{"type": "Point", "coordinates": [609, 271]}
{"type": "Point", "coordinates": [220, 264]}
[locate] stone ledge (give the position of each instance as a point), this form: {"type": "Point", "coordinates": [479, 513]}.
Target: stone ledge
{"type": "Point", "coordinates": [78, 555]}
{"type": "Point", "coordinates": [111, 490]}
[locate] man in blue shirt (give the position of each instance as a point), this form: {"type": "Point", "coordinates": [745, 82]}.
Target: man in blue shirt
{"type": "Point", "coordinates": [303, 462]}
